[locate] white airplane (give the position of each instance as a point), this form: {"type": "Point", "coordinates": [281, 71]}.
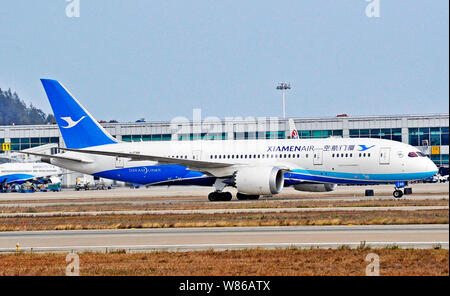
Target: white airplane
{"type": "Point", "coordinates": [18, 173]}
{"type": "Point", "coordinates": [253, 167]}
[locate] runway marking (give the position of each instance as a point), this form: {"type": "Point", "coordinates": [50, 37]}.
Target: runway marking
{"type": "Point", "coordinates": [190, 247]}
{"type": "Point", "coordinates": [223, 211]}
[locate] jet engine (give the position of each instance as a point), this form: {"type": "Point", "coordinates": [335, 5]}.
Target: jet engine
{"type": "Point", "coordinates": [322, 187]}
{"type": "Point", "coordinates": [259, 180]}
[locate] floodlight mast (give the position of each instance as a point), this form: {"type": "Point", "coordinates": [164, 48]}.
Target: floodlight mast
{"type": "Point", "coordinates": [283, 87]}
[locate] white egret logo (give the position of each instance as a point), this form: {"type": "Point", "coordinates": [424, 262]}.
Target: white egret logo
{"type": "Point", "coordinates": [70, 122]}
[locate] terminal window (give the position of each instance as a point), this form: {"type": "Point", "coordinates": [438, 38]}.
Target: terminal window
{"type": "Point", "coordinates": [26, 143]}
{"type": "Point", "coordinates": [394, 134]}
{"type": "Point", "coordinates": [434, 136]}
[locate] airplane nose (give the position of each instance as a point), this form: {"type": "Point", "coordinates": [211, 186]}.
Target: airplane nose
{"type": "Point", "coordinates": [431, 166]}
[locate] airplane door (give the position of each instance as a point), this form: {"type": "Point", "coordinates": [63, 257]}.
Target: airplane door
{"type": "Point", "coordinates": [119, 162]}
{"type": "Point", "coordinates": [196, 154]}
{"type": "Point", "coordinates": [385, 155]}
{"type": "Point", "coordinates": [318, 157]}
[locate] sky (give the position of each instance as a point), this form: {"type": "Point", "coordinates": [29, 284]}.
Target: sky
{"type": "Point", "coordinates": [157, 60]}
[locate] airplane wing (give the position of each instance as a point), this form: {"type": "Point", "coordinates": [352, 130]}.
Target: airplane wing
{"type": "Point", "coordinates": [57, 157]}
{"type": "Point", "coordinates": [167, 160]}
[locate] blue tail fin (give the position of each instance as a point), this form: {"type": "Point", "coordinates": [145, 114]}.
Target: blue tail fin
{"type": "Point", "coordinates": [78, 128]}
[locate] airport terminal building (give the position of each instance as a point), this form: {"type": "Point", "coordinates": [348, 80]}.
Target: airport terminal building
{"type": "Point", "coordinates": [429, 133]}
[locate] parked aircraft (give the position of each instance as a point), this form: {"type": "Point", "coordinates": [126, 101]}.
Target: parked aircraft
{"type": "Point", "coordinates": [19, 173]}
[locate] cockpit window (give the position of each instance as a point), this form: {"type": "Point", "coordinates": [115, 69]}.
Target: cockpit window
{"type": "Point", "coordinates": [412, 154]}
{"type": "Point", "coordinates": [421, 154]}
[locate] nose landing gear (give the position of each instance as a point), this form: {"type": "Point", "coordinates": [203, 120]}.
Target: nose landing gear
{"type": "Point", "coordinates": [398, 193]}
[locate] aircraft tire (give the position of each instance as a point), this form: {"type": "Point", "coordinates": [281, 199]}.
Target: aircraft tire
{"type": "Point", "coordinates": [398, 193]}
{"type": "Point", "coordinates": [212, 196]}
{"type": "Point", "coordinates": [241, 196]}
{"type": "Point", "coordinates": [227, 196]}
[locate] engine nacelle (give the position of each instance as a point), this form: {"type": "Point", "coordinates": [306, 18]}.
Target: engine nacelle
{"type": "Point", "coordinates": [324, 187]}
{"type": "Point", "coordinates": [259, 180]}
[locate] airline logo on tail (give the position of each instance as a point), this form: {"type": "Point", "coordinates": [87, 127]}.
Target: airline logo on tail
{"type": "Point", "coordinates": [70, 122]}
{"type": "Point", "coordinates": [292, 129]}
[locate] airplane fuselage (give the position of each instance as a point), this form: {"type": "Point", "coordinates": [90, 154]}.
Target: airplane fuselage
{"type": "Point", "coordinates": [331, 160]}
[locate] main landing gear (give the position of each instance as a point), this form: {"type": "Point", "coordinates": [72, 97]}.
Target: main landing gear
{"type": "Point", "coordinates": [220, 196]}
{"type": "Point", "coordinates": [241, 196]}
{"type": "Point", "coordinates": [226, 196]}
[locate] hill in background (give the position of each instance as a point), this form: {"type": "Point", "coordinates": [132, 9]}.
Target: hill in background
{"type": "Point", "coordinates": [13, 110]}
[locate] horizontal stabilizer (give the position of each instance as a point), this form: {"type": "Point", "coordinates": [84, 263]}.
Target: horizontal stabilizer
{"type": "Point", "coordinates": [57, 157]}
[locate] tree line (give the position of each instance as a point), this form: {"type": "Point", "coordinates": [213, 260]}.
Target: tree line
{"type": "Point", "coordinates": [14, 111]}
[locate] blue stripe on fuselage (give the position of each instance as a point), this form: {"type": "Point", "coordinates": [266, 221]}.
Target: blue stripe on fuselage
{"type": "Point", "coordinates": [150, 174]}
{"type": "Point", "coordinates": [353, 178]}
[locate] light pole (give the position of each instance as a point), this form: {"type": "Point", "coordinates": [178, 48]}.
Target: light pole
{"type": "Point", "coordinates": [283, 87]}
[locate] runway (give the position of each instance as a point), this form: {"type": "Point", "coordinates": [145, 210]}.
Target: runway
{"type": "Point", "coordinates": [184, 239]}
{"type": "Point", "coordinates": [186, 194]}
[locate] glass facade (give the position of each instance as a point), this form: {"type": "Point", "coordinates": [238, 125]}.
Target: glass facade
{"type": "Point", "coordinates": [202, 136]}
{"type": "Point", "coordinates": [259, 135]}
{"type": "Point", "coordinates": [428, 136]}
{"type": "Point", "coordinates": [139, 138]}
{"type": "Point", "coordinates": [1, 142]}
{"type": "Point", "coordinates": [440, 159]}
{"type": "Point", "coordinates": [394, 134]}
{"type": "Point", "coordinates": [319, 134]}
{"type": "Point", "coordinates": [26, 143]}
